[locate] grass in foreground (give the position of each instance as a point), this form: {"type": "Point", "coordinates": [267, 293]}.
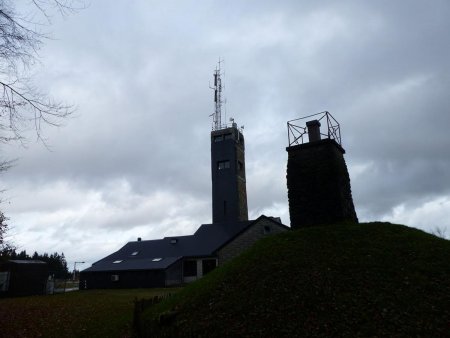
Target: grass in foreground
{"type": "Point", "coordinates": [373, 279]}
{"type": "Point", "coordinates": [92, 313]}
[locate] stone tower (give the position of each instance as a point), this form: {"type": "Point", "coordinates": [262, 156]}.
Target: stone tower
{"type": "Point", "coordinates": [229, 192]}
{"type": "Point", "coordinates": [318, 182]}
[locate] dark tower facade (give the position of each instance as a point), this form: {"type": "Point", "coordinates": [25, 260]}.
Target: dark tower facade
{"type": "Point", "coordinates": [318, 182]}
{"type": "Point", "coordinates": [229, 192]}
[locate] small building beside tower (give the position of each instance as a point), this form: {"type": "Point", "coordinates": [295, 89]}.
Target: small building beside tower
{"type": "Point", "coordinates": [23, 277]}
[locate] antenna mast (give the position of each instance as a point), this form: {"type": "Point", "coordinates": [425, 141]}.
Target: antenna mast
{"type": "Point", "coordinates": [217, 116]}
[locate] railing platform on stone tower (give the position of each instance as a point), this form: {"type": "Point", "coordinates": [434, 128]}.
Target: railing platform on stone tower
{"type": "Point", "coordinates": [296, 131]}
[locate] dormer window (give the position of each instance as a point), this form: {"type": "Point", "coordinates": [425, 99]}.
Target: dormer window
{"type": "Point", "coordinates": [118, 261]}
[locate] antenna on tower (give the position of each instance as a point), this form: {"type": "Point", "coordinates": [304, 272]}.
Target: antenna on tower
{"type": "Point", "coordinates": [217, 115]}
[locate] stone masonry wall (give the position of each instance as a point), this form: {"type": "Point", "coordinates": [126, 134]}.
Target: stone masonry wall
{"type": "Point", "coordinates": [318, 184]}
{"type": "Point", "coordinates": [248, 238]}
{"type": "Point", "coordinates": [241, 183]}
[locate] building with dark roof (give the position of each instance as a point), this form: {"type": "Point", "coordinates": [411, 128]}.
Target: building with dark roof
{"type": "Point", "coordinates": [23, 277]}
{"type": "Point", "coordinates": [182, 259]}
{"type": "Point", "coordinates": [177, 260]}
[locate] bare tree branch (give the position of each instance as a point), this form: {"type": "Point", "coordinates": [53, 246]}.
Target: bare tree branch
{"type": "Point", "coordinates": [440, 232]}
{"type": "Point", "coordinates": [3, 228]}
{"type": "Point", "coordinates": [21, 104]}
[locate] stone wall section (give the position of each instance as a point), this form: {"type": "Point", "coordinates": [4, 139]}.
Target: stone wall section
{"type": "Point", "coordinates": [241, 182]}
{"type": "Point", "coordinates": [262, 228]}
{"type": "Point", "coordinates": [174, 274]}
{"type": "Point", "coordinates": [318, 184]}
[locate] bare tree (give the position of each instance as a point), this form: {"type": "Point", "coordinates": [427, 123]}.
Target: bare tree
{"type": "Point", "coordinates": [3, 226]}
{"type": "Point", "coordinates": [440, 232]}
{"type": "Point", "coordinates": [22, 105]}
{"type": "Point", "coordinates": [5, 247]}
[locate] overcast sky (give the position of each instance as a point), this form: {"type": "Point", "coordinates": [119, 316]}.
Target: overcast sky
{"type": "Point", "coordinates": [135, 160]}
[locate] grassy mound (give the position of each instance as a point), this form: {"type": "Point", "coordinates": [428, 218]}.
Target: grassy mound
{"type": "Point", "coordinates": [373, 279]}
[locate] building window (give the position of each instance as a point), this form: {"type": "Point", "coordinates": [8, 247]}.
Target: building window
{"type": "Point", "coordinates": [190, 269]}
{"type": "Point", "coordinates": [221, 165]}
{"type": "Point", "coordinates": [134, 253]}
{"type": "Point", "coordinates": [114, 278]}
{"type": "Point", "coordinates": [218, 138]}
{"type": "Point", "coordinates": [228, 136]}
{"type": "Point", "coordinates": [174, 241]}
{"type": "Point", "coordinates": [267, 229]}
{"type": "Point", "coordinates": [118, 261]}
{"type": "Point", "coordinates": [157, 259]}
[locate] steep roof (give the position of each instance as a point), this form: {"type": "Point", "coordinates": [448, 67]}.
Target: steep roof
{"type": "Point", "coordinates": [161, 253]}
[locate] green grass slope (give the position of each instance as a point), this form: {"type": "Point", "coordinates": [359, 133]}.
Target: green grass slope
{"type": "Point", "coordinates": [372, 279]}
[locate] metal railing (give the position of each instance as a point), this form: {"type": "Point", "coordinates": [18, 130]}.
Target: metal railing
{"type": "Point", "coordinates": [228, 125]}
{"type": "Point", "coordinates": [62, 286]}
{"type": "Point", "coordinates": [296, 130]}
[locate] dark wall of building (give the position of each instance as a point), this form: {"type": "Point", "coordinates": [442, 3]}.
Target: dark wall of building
{"type": "Point", "coordinates": [174, 274]}
{"type": "Point", "coordinates": [25, 279]}
{"type": "Point", "coordinates": [229, 192]}
{"type": "Point", "coordinates": [318, 184]}
{"type": "Point", "coordinates": [263, 228]}
{"type": "Point", "coordinates": [124, 280]}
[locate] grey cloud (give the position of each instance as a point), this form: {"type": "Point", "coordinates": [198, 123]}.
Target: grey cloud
{"type": "Point", "coordinates": [139, 75]}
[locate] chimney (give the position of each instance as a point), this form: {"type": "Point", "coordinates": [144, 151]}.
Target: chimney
{"type": "Point", "coordinates": [313, 130]}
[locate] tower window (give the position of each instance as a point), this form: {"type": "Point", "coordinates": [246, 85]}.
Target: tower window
{"type": "Point", "coordinates": [240, 166]}
{"type": "Point", "coordinates": [223, 165]}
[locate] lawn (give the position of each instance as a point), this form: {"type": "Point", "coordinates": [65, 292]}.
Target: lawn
{"type": "Point", "coordinates": [93, 313]}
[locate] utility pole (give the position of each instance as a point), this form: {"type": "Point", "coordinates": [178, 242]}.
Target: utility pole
{"type": "Point", "coordinates": [75, 269]}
